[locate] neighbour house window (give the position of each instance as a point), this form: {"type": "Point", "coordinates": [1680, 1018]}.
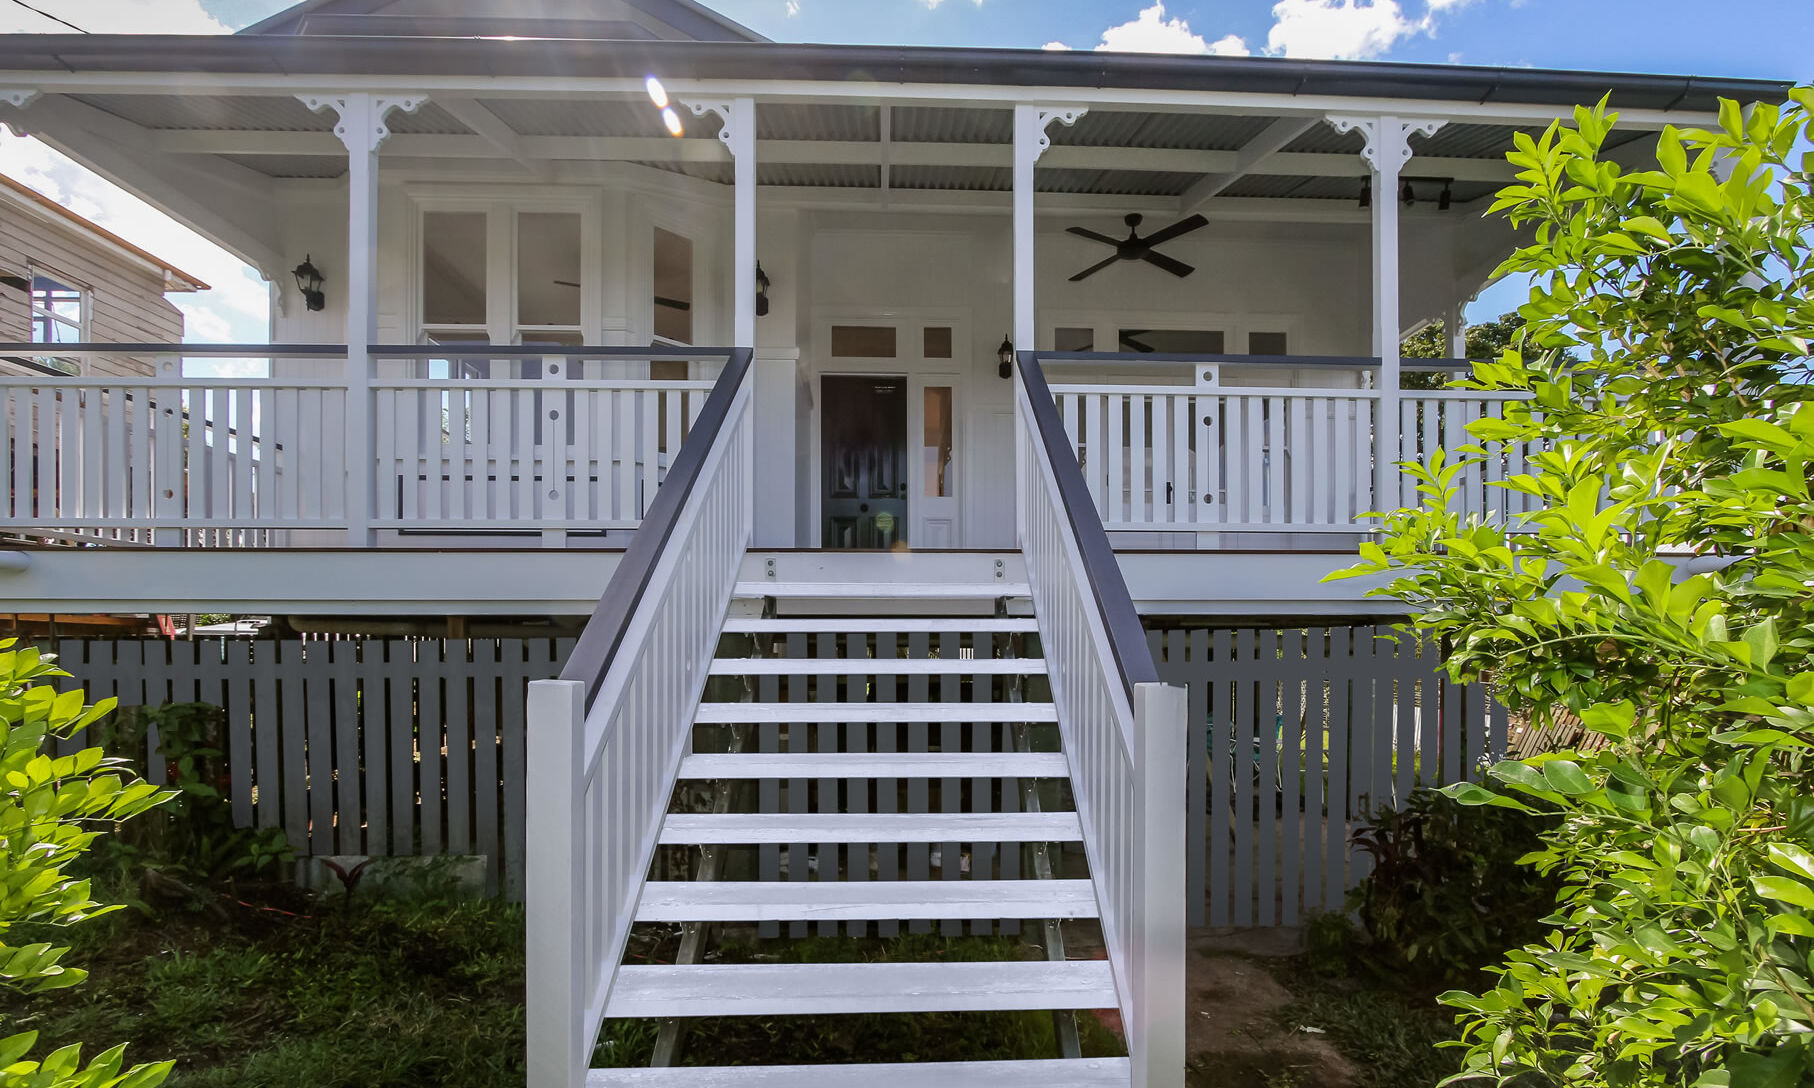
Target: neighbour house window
{"type": "Point", "coordinates": [59, 315]}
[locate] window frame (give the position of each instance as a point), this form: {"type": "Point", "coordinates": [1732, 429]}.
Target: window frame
{"type": "Point", "coordinates": [35, 314]}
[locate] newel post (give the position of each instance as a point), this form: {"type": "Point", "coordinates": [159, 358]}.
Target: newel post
{"type": "Point", "coordinates": [554, 864]}
{"type": "Point", "coordinates": [1156, 1036]}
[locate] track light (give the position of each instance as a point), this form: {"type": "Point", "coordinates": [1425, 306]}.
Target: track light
{"type": "Point", "coordinates": [1366, 193]}
{"type": "Point", "coordinates": [1447, 197]}
{"type": "Point", "coordinates": [1409, 196]}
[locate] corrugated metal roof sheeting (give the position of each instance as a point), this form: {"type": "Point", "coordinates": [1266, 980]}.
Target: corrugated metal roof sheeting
{"type": "Point", "coordinates": [275, 113]}
{"type": "Point", "coordinates": [796, 121]}
{"type": "Point", "coordinates": [593, 117]}
{"type": "Point", "coordinates": [293, 166]}
{"type": "Point", "coordinates": [1322, 139]}
{"type": "Point", "coordinates": [998, 179]}
{"type": "Point", "coordinates": [1460, 141]}
{"type": "Point", "coordinates": [853, 176]}
{"type": "Point", "coordinates": [1114, 182]}
{"type": "Point", "coordinates": [1129, 128]}
{"type": "Point", "coordinates": [721, 172]}
{"type": "Point", "coordinates": [946, 124]}
{"type": "Point", "coordinates": [428, 119]}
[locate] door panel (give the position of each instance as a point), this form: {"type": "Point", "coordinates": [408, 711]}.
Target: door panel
{"type": "Point", "coordinates": [864, 456]}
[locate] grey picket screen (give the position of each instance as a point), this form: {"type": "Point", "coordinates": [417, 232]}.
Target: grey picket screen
{"type": "Point", "coordinates": [373, 746]}
{"type": "Point", "coordinates": [1364, 715]}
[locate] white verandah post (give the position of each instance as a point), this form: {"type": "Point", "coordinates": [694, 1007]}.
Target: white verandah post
{"type": "Point", "coordinates": [1030, 142]}
{"type": "Point", "coordinates": [1387, 149]}
{"type": "Point", "coordinates": [362, 130]}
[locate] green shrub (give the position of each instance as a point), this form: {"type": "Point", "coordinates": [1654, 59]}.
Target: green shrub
{"type": "Point", "coordinates": [51, 809]}
{"type": "Point", "coordinates": [1446, 894]}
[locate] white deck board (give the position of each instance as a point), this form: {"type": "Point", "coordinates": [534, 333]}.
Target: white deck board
{"type": "Point", "coordinates": [1041, 1073]}
{"type": "Point", "coordinates": [878, 666]}
{"type": "Point", "coordinates": [907, 625]}
{"type": "Point", "coordinates": [681, 829]}
{"type": "Point", "coordinates": [881, 591]}
{"type": "Point", "coordinates": [817, 989]}
{"type": "Point", "coordinates": [739, 713]}
{"type": "Point", "coordinates": [876, 765]}
{"type": "Point", "coordinates": [760, 901]}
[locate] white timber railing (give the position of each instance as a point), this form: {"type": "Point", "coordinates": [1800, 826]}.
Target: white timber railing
{"type": "Point", "coordinates": [605, 740]}
{"type": "Point", "coordinates": [1123, 731]}
{"type": "Point", "coordinates": [1431, 420]}
{"type": "Point", "coordinates": [1175, 450]}
{"type": "Point", "coordinates": [532, 439]}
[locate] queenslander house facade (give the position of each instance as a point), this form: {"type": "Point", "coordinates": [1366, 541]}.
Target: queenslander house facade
{"type": "Point", "coordinates": [789, 488]}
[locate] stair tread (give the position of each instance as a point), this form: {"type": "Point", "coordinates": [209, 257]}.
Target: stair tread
{"type": "Point", "coordinates": [876, 765]}
{"type": "Point", "coordinates": [876, 666]}
{"type": "Point", "coordinates": [1035, 1073]}
{"type": "Point", "coordinates": [879, 625]}
{"type": "Point", "coordinates": [733, 713]}
{"type": "Point", "coordinates": [881, 591]}
{"type": "Point", "coordinates": [903, 900]}
{"type": "Point", "coordinates": [783, 827]}
{"type": "Point", "coordinates": [814, 989]}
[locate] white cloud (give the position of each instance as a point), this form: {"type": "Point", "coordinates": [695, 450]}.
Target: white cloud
{"type": "Point", "coordinates": [1152, 32]}
{"type": "Point", "coordinates": [1230, 45]}
{"type": "Point", "coordinates": [1055, 46]}
{"type": "Point", "coordinates": [1339, 29]}
{"type": "Point", "coordinates": [112, 17]}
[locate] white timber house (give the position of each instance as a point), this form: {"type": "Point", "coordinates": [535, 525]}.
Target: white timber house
{"type": "Point", "coordinates": [908, 391]}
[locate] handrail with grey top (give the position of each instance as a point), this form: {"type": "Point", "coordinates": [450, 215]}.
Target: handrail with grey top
{"type": "Point", "coordinates": [1120, 621]}
{"type": "Point", "coordinates": [604, 633]}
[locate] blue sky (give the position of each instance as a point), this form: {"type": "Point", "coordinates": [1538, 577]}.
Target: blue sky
{"type": "Point", "coordinates": [1766, 38]}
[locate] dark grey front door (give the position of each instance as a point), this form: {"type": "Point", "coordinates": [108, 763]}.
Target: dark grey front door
{"type": "Point", "coordinates": [864, 432]}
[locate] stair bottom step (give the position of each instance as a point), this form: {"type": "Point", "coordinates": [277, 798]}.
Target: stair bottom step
{"type": "Point", "coordinates": [1048, 1073]}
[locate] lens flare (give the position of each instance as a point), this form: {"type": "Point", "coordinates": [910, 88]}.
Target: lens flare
{"type": "Point", "coordinates": [672, 120]}
{"type": "Point", "coordinates": [657, 93]}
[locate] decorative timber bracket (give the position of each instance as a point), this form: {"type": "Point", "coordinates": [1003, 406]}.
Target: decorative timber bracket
{"type": "Point", "coordinates": [18, 97]}
{"type": "Point", "coordinates": [1040, 119]}
{"type": "Point", "coordinates": [727, 118]}
{"type": "Point", "coordinates": [1388, 138]}
{"type": "Point", "coordinates": [361, 126]}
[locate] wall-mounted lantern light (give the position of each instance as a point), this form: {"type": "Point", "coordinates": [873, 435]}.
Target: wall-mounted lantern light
{"type": "Point", "coordinates": [308, 281]}
{"type": "Point", "coordinates": [1005, 354]}
{"type": "Point", "coordinates": [761, 291]}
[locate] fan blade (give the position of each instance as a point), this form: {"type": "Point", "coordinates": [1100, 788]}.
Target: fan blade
{"type": "Point", "coordinates": [565, 283]}
{"type": "Point", "coordinates": [1178, 229]}
{"type": "Point", "coordinates": [1131, 341]}
{"type": "Point", "coordinates": [1176, 268]}
{"type": "Point", "coordinates": [1094, 236]}
{"type": "Point", "coordinates": [673, 303]}
{"type": "Point", "coordinates": [1095, 268]}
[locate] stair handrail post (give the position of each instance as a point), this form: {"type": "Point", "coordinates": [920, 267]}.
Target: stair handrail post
{"type": "Point", "coordinates": [1156, 1038]}
{"type": "Point", "coordinates": [555, 1002]}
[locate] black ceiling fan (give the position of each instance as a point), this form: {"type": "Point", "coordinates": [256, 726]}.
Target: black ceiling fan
{"type": "Point", "coordinates": [1136, 248]}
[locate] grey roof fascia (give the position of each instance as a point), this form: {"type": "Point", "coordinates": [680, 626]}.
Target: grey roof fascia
{"type": "Point", "coordinates": [283, 54]}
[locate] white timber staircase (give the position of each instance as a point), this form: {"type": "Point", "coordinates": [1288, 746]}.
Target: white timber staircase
{"type": "Point", "coordinates": [733, 753]}
{"type": "Point", "coordinates": [879, 753]}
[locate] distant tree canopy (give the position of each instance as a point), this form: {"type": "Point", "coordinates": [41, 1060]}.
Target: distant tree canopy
{"type": "Point", "coordinates": [1487, 340]}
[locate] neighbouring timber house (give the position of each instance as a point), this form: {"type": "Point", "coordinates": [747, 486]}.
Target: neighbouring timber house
{"type": "Point", "coordinates": [942, 449]}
